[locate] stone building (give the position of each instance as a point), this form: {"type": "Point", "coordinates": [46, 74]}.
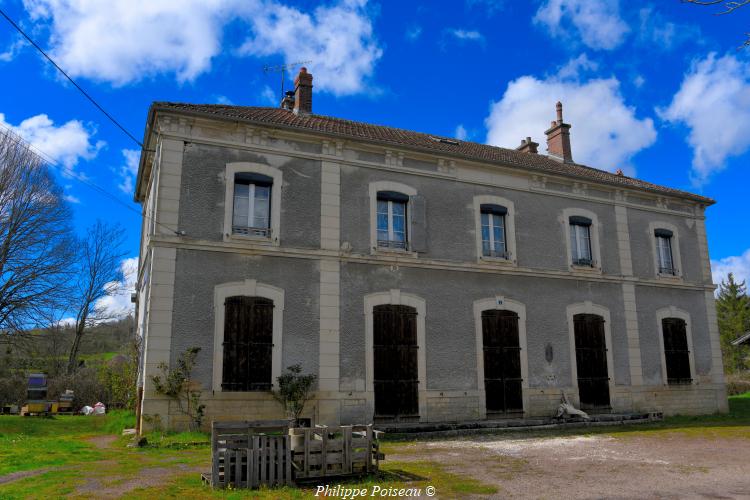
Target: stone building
{"type": "Point", "coordinates": [420, 278]}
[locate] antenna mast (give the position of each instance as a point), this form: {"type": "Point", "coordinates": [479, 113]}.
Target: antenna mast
{"type": "Point", "coordinates": [282, 68]}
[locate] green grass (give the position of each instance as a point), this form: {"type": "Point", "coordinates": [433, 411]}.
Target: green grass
{"type": "Point", "coordinates": [67, 462]}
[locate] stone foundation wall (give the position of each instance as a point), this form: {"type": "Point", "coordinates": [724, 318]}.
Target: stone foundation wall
{"type": "Point", "coordinates": [445, 406]}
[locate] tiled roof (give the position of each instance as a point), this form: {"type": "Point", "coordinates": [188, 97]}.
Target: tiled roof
{"type": "Point", "coordinates": [325, 125]}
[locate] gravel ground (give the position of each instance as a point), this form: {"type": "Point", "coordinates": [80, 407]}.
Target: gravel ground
{"type": "Point", "coordinates": [670, 465]}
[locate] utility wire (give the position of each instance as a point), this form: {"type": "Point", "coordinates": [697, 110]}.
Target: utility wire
{"type": "Point", "coordinates": [37, 47]}
{"type": "Point", "coordinates": [52, 162]}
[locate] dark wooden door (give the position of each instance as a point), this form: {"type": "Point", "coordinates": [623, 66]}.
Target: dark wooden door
{"type": "Point", "coordinates": [591, 362]}
{"type": "Point", "coordinates": [396, 376]}
{"type": "Point", "coordinates": [248, 344]}
{"type": "Point", "coordinates": [676, 352]}
{"type": "Point", "coordinates": [502, 362]}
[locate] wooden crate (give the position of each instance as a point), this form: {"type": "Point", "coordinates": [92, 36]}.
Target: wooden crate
{"type": "Point", "coordinates": [334, 451]}
{"type": "Point", "coordinates": [250, 454]}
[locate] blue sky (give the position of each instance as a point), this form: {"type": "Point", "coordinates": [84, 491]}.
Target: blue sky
{"type": "Point", "coordinates": [658, 88]}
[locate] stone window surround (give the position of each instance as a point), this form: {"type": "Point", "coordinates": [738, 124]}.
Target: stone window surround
{"type": "Point", "coordinates": [501, 303]}
{"type": "Point", "coordinates": [510, 227]}
{"type": "Point", "coordinates": [249, 288]}
{"type": "Point", "coordinates": [275, 215]}
{"type": "Point", "coordinates": [396, 297]}
{"type": "Point", "coordinates": [374, 189]}
{"type": "Point", "coordinates": [675, 243]}
{"type": "Point", "coordinates": [674, 312]}
{"type": "Point", "coordinates": [596, 255]}
{"type": "Point", "coordinates": [588, 307]}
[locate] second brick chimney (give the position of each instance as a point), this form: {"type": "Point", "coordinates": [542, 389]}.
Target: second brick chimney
{"type": "Point", "coordinates": [303, 92]}
{"type": "Point", "coordinates": [558, 138]}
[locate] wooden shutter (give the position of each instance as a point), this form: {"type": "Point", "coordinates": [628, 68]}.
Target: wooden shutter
{"type": "Point", "coordinates": [248, 344]}
{"type": "Point", "coordinates": [591, 361]}
{"type": "Point", "coordinates": [502, 361]}
{"type": "Point", "coordinates": [676, 352]}
{"type": "Point", "coordinates": [395, 356]}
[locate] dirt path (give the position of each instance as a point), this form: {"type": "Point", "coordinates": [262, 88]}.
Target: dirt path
{"type": "Point", "coordinates": [15, 476]}
{"type": "Point", "coordinates": [662, 466]}
{"type": "Point", "coordinates": [117, 486]}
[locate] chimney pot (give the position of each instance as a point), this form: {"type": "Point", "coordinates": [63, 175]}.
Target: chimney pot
{"type": "Point", "coordinates": [558, 138]}
{"type": "Point", "coordinates": [303, 92]}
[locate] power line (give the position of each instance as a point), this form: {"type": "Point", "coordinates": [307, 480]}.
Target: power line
{"type": "Point", "coordinates": [52, 162]}
{"type": "Point", "coordinates": [37, 47]}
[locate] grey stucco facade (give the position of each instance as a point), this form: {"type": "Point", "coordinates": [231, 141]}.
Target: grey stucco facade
{"type": "Point", "coordinates": [321, 261]}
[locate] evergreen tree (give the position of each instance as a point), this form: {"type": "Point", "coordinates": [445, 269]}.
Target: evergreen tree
{"type": "Point", "coordinates": [733, 312]}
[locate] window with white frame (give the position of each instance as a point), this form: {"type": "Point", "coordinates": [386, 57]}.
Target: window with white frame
{"type": "Point", "coordinates": [664, 251]}
{"type": "Point", "coordinates": [251, 214]}
{"type": "Point", "coordinates": [494, 242]}
{"type": "Point", "coordinates": [391, 220]}
{"type": "Point", "coordinates": [580, 241]}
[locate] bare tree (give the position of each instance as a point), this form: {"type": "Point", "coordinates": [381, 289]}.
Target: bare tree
{"type": "Point", "coordinates": [98, 275]}
{"type": "Point", "coordinates": [729, 6]}
{"type": "Point", "coordinates": [36, 242]}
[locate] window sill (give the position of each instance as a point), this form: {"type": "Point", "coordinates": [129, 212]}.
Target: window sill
{"type": "Point", "coordinates": [259, 240]}
{"type": "Point", "coordinates": [669, 278]}
{"type": "Point", "coordinates": [394, 252]}
{"type": "Point", "coordinates": [585, 269]}
{"type": "Point", "coordinates": [497, 261]}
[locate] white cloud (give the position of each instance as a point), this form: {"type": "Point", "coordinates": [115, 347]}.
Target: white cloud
{"type": "Point", "coordinates": [638, 81]}
{"type": "Point", "coordinates": [738, 265]}
{"type": "Point", "coordinates": [12, 51]}
{"type": "Point", "coordinates": [461, 133]}
{"type": "Point", "coordinates": [413, 33]}
{"type": "Point", "coordinates": [129, 169]}
{"type": "Point", "coordinates": [660, 34]}
{"type": "Point", "coordinates": [222, 99]}
{"type": "Point", "coordinates": [117, 304]}
{"type": "Point", "coordinates": [268, 96]}
{"type": "Point", "coordinates": [338, 39]}
{"type": "Point", "coordinates": [597, 23]}
{"type": "Point", "coordinates": [491, 7]}
{"type": "Point", "coordinates": [72, 199]}
{"type": "Point", "coordinates": [123, 41]}
{"type": "Point", "coordinates": [605, 132]}
{"type": "Point", "coordinates": [714, 103]}
{"type": "Point", "coordinates": [68, 143]}
{"type": "Point", "coordinates": [468, 35]}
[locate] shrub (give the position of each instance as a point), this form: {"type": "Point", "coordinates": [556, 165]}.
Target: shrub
{"type": "Point", "coordinates": [86, 385]}
{"type": "Point", "coordinates": [13, 389]}
{"type": "Point", "coordinates": [177, 384]}
{"type": "Point", "coordinates": [738, 383]}
{"type": "Point", "coordinates": [294, 391]}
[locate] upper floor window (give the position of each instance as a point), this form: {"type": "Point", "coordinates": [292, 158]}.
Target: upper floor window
{"type": "Point", "coordinates": [252, 203]}
{"type": "Point", "coordinates": [664, 251]}
{"type": "Point", "coordinates": [580, 241]}
{"type": "Point", "coordinates": [494, 242]}
{"type": "Point", "coordinates": [251, 215]}
{"type": "Point", "coordinates": [391, 220]}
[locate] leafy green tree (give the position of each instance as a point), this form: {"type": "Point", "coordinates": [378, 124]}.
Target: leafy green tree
{"type": "Point", "coordinates": [733, 312]}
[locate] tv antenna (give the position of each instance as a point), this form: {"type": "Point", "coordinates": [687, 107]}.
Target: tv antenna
{"type": "Point", "coordinates": [282, 68]}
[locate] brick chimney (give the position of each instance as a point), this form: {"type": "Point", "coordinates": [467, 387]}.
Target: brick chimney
{"type": "Point", "coordinates": [303, 92]}
{"type": "Point", "coordinates": [558, 138]}
{"type": "Point", "coordinates": [528, 146]}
